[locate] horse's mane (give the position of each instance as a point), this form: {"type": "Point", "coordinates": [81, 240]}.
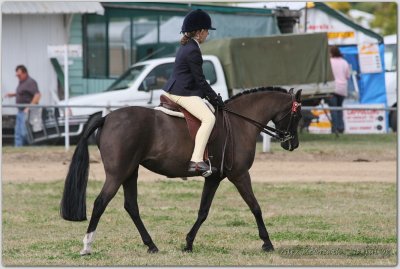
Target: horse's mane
{"type": "Point", "coordinates": [262, 89]}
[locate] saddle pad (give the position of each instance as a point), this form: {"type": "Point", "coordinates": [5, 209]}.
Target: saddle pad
{"type": "Point", "coordinates": [170, 112]}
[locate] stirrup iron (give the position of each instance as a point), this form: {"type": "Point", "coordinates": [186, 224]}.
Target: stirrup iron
{"type": "Point", "coordinates": [209, 171]}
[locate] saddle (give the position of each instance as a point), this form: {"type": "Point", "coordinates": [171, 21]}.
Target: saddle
{"type": "Point", "coordinates": [193, 124]}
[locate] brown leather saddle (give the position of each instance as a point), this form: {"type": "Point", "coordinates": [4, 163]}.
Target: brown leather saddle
{"type": "Point", "coordinates": [192, 122]}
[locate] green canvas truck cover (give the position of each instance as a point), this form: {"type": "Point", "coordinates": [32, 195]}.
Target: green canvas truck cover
{"type": "Point", "coordinates": [273, 60]}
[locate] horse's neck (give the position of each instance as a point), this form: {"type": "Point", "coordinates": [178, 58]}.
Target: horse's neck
{"type": "Point", "coordinates": [259, 107]}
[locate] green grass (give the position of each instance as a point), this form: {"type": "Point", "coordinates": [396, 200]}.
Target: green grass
{"type": "Point", "coordinates": [299, 216]}
{"type": "Point", "coordinates": [343, 144]}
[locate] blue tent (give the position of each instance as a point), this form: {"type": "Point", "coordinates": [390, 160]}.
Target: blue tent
{"type": "Point", "coordinates": [371, 86]}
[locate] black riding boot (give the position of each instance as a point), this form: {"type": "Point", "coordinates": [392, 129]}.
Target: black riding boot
{"type": "Point", "coordinates": [202, 168]}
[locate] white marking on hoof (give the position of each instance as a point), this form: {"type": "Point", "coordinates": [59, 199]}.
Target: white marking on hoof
{"type": "Point", "coordinates": [87, 244]}
{"type": "Point", "coordinates": [85, 252]}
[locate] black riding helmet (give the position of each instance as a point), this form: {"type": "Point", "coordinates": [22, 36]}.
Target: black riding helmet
{"type": "Point", "coordinates": [196, 20]}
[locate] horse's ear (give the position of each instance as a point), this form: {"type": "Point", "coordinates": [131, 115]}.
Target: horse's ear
{"type": "Point", "coordinates": [298, 96]}
{"type": "Point", "coordinates": [291, 91]}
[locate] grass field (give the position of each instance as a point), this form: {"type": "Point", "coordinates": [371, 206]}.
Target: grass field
{"type": "Point", "coordinates": [337, 216]}
{"type": "Point", "coordinates": [309, 223]}
{"type": "Point", "coordinates": [344, 144]}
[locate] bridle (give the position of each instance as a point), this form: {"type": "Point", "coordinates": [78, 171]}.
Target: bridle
{"type": "Point", "coordinates": [280, 135]}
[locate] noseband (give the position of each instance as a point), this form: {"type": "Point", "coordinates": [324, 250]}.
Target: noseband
{"type": "Point", "coordinates": [280, 135]}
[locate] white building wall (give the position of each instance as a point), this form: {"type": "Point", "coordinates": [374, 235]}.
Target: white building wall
{"type": "Point", "coordinates": [319, 21]}
{"type": "Point", "coordinates": [24, 40]}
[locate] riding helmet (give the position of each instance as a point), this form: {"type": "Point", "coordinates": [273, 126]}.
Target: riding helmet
{"type": "Point", "coordinates": [196, 20]}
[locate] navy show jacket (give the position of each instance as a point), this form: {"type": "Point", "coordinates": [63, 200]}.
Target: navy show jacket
{"type": "Point", "coordinates": [187, 78]}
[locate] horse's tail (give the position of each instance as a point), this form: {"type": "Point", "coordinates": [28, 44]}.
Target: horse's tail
{"type": "Point", "coordinates": [73, 202]}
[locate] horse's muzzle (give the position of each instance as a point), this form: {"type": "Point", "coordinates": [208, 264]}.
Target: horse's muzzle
{"type": "Point", "coordinates": [290, 145]}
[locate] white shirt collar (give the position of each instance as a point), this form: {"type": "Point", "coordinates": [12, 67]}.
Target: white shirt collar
{"type": "Point", "coordinates": [198, 44]}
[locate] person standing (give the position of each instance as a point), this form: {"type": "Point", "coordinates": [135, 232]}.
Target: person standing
{"type": "Point", "coordinates": [27, 93]}
{"type": "Point", "coordinates": [341, 73]}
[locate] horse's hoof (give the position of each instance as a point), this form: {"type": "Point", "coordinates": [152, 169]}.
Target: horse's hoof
{"type": "Point", "coordinates": [268, 247]}
{"type": "Point", "coordinates": [188, 249]}
{"type": "Point", "coordinates": [85, 252]}
{"type": "Point", "coordinates": [152, 250]}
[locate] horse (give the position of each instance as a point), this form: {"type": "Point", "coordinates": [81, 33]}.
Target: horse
{"type": "Point", "coordinates": [133, 136]}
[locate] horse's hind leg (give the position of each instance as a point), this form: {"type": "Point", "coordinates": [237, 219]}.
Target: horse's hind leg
{"type": "Point", "coordinates": [108, 191]}
{"type": "Point", "coordinates": [243, 184]}
{"type": "Point", "coordinates": [131, 206]}
{"type": "Point", "coordinates": [210, 187]}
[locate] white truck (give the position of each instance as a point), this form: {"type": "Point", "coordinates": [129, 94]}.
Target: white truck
{"type": "Point", "coordinates": [141, 84]}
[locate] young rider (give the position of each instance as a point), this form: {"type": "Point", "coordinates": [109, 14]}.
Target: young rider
{"type": "Point", "coordinates": [187, 84]}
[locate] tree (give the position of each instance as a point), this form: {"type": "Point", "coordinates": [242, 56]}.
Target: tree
{"type": "Point", "coordinates": [344, 7]}
{"type": "Point", "coordinates": [385, 13]}
{"type": "Point", "coordinates": [386, 18]}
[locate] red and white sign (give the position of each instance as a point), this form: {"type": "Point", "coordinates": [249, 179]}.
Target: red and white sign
{"type": "Point", "coordinates": [365, 121]}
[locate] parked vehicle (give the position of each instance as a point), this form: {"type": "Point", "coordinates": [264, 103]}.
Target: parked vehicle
{"type": "Point", "coordinates": [391, 77]}
{"type": "Point", "coordinates": [230, 66]}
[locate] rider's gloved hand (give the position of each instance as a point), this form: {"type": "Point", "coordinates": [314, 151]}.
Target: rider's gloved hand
{"type": "Point", "coordinates": [220, 103]}
{"type": "Point", "coordinates": [217, 101]}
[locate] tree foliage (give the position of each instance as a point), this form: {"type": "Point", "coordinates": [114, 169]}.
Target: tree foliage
{"type": "Point", "coordinates": [385, 13]}
{"type": "Point", "coordinates": [386, 18]}
{"type": "Point", "coordinates": [341, 6]}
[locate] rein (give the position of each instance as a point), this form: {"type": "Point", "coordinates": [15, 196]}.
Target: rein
{"type": "Point", "coordinates": [280, 135]}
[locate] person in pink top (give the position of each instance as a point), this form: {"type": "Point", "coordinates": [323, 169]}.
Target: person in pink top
{"type": "Point", "coordinates": [341, 73]}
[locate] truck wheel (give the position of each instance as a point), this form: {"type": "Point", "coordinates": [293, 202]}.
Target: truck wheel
{"type": "Point", "coordinates": [393, 120]}
{"type": "Point", "coordinates": [92, 138]}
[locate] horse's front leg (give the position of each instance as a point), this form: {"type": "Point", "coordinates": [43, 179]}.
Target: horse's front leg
{"type": "Point", "coordinates": [210, 187]}
{"type": "Point", "coordinates": [243, 184]}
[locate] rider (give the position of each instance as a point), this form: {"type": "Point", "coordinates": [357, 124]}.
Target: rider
{"type": "Point", "coordinates": [187, 84]}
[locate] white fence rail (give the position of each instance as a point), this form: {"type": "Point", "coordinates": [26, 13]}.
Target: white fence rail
{"type": "Point", "coordinates": [266, 138]}
{"type": "Point", "coordinates": [307, 108]}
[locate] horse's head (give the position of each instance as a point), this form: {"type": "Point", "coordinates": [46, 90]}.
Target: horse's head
{"type": "Point", "coordinates": [287, 121]}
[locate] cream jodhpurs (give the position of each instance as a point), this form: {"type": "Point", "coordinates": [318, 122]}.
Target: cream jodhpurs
{"type": "Point", "coordinates": [196, 106]}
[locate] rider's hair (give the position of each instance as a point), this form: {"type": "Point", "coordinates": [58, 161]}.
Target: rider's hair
{"type": "Point", "coordinates": [187, 36]}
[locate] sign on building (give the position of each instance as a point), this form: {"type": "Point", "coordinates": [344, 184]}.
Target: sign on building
{"type": "Point", "coordinates": [365, 121]}
{"type": "Point", "coordinates": [74, 51]}
{"type": "Point", "coordinates": [369, 58]}
{"type": "Point", "coordinates": [337, 31]}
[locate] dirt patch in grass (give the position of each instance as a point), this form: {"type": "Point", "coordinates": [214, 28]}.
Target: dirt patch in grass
{"type": "Point", "coordinates": [324, 158]}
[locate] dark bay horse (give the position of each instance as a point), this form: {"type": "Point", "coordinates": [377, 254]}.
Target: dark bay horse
{"type": "Point", "coordinates": [133, 136]}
